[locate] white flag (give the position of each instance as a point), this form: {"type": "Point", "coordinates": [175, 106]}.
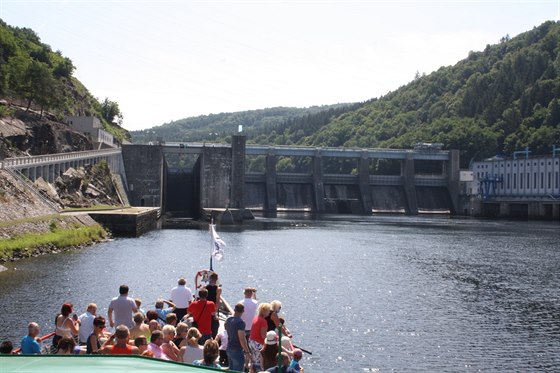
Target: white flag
{"type": "Point", "coordinates": [218, 244]}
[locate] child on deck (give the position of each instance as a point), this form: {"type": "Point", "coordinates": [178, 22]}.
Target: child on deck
{"type": "Point", "coordinates": [294, 364]}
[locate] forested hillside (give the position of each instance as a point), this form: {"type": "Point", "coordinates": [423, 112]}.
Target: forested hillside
{"type": "Point", "coordinates": [495, 101]}
{"type": "Point", "coordinates": [220, 127]}
{"type": "Point", "coordinates": [33, 76]}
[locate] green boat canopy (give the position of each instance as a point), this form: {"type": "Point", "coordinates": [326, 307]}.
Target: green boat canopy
{"type": "Point", "coordinates": [91, 363]}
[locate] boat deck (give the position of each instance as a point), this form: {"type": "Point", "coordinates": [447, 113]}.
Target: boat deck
{"type": "Point", "coordinates": [91, 363]}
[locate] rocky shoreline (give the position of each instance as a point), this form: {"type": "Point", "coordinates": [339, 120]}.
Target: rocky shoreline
{"type": "Point", "coordinates": [38, 251]}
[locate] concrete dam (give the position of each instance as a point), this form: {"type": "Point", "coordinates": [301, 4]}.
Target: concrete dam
{"type": "Point", "coordinates": [419, 181]}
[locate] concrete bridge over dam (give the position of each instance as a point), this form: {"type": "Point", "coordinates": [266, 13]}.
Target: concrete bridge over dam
{"type": "Point", "coordinates": [226, 176]}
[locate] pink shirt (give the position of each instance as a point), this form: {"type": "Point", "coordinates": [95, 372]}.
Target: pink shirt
{"type": "Point", "coordinates": [157, 351]}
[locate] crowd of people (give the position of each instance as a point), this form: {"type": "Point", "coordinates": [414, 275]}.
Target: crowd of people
{"type": "Point", "coordinates": [184, 328]}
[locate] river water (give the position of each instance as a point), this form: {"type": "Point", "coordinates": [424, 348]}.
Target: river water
{"type": "Point", "coordinates": [360, 293]}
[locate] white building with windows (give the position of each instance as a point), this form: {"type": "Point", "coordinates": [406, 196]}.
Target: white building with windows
{"type": "Point", "coordinates": [91, 127]}
{"type": "Point", "coordinates": [527, 177]}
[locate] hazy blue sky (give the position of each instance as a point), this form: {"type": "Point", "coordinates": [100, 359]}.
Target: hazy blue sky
{"type": "Point", "coordinates": [167, 60]}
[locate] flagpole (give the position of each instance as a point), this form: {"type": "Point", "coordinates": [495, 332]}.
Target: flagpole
{"type": "Point", "coordinates": [211, 242]}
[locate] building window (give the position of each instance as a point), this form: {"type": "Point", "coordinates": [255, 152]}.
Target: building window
{"type": "Point", "coordinates": [549, 180]}
{"type": "Point", "coordinates": [528, 180]}
{"type": "Point", "coordinates": [557, 180]}
{"type": "Point", "coordinates": [542, 180]}
{"type": "Point", "coordinates": [508, 177]}
{"type": "Point", "coordinates": [521, 181]}
{"type": "Point", "coordinates": [514, 181]}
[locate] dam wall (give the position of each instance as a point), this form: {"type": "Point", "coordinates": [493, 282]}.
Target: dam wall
{"type": "Point", "coordinates": [336, 180]}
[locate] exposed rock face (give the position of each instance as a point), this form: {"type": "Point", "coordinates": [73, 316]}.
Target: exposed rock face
{"type": "Point", "coordinates": [84, 187]}
{"type": "Point", "coordinates": [27, 134]}
{"type": "Point", "coordinates": [17, 203]}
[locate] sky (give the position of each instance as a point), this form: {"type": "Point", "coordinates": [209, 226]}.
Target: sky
{"type": "Point", "coordinates": [167, 60]}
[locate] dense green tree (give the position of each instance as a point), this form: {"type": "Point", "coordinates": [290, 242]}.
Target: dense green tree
{"type": "Point", "coordinates": [110, 111]}
{"type": "Point", "coordinates": [41, 84]}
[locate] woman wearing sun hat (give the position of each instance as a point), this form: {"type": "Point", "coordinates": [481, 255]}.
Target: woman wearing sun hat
{"type": "Point", "coordinates": [269, 350]}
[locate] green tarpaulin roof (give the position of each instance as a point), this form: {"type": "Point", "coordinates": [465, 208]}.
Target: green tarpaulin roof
{"type": "Point", "coordinates": [91, 363]}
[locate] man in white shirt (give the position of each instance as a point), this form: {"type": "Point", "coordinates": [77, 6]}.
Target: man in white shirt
{"type": "Point", "coordinates": [182, 297]}
{"type": "Point", "coordinates": [250, 303]}
{"type": "Point", "coordinates": [86, 323]}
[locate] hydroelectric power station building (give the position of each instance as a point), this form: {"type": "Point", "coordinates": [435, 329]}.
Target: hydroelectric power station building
{"type": "Point", "coordinates": [520, 186]}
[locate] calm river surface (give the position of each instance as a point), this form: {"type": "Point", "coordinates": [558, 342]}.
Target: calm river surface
{"type": "Point", "coordinates": [361, 293]}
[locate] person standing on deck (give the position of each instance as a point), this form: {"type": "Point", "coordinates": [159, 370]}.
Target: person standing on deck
{"type": "Point", "coordinates": [237, 348]}
{"type": "Point", "coordinates": [250, 303]}
{"type": "Point", "coordinates": [86, 323]}
{"type": "Point", "coordinates": [182, 296]}
{"type": "Point", "coordinates": [258, 335]}
{"type": "Point", "coordinates": [123, 307]}
{"type": "Point", "coordinates": [214, 295]}
{"type": "Point", "coordinates": [202, 312]}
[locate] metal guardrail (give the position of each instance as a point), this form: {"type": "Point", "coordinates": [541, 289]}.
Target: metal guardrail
{"type": "Point", "coordinates": [303, 151]}
{"type": "Point", "coordinates": [340, 179]}
{"type": "Point", "coordinates": [430, 181]}
{"type": "Point", "coordinates": [388, 180]}
{"type": "Point", "coordinates": [23, 162]}
{"type": "Point", "coordinates": [294, 178]}
{"type": "Point", "coordinates": [309, 151]}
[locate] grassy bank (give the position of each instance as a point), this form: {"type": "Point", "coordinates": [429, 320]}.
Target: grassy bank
{"type": "Point", "coordinates": [30, 244]}
{"type": "Point", "coordinates": [94, 208]}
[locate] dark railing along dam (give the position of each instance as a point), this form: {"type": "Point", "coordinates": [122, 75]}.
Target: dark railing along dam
{"type": "Point", "coordinates": [219, 179]}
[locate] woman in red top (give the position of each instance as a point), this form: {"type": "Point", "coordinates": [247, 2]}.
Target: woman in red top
{"type": "Point", "coordinates": [258, 334]}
